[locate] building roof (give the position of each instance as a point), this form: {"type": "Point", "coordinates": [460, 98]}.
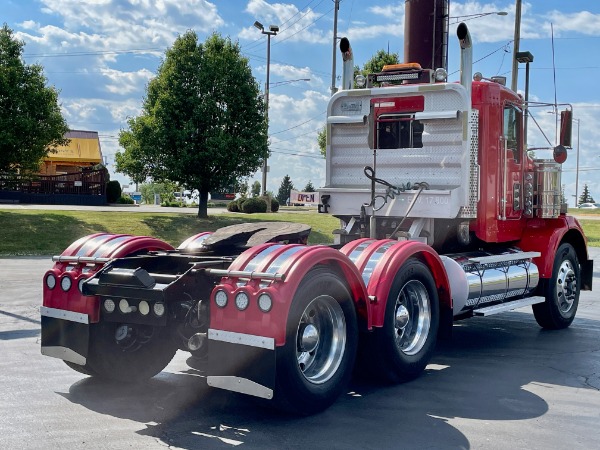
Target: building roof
{"type": "Point", "coordinates": [84, 147]}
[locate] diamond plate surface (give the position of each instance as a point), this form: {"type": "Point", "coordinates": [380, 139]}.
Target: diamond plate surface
{"type": "Point", "coordinates": [444, 162]}
{"type": "Point", "coordinates": [470, 211]}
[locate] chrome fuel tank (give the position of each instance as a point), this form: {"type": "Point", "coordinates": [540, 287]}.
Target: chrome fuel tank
{"type": "Point", "coordinates": [478, 278]}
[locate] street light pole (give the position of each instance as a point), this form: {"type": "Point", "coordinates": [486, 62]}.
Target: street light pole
{"type": "Point", "coordinates": [335, 20]}
{"type": "Point", "coordinates": [273, 30]}
{"type": "Point", "coordinates": [577, 169]}
{"type": "Point", "coordinates": [515, 67]}
{"type": "Point", "coordinates": [466, 17]}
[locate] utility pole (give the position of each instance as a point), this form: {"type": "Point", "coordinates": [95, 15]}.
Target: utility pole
{"type": "Point", "coordinates": [577, 171]}
{"type": "Point", "coordinates": [273, 30]}
{"type": "Point", "coordinates": [335, 20]}
{"type": "Point", "coordinates": [515, 64]}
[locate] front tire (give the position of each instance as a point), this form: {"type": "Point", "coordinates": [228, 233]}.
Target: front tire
{"type": "Point", "coordinates": [561, 291]}
{"type": "Point", "coordinates": [149, 352]}
{"type": "Point", "coordinates": [315, 364]}
{"type": "Point", "coordinates": [402, 348]}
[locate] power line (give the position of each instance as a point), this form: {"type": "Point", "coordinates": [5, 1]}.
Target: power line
{"type": "Point", "coordinates": [298, 136]}
{"type": "Point", "coordinates": [279, 41]}
{"type": "Point", "coordinates": [303, 155]}
{"type": "Point", "coordinates": [300, 124]}
{"type": "Point", "coordinates": [505, 46]}
{"type": "Point", "coordinates": [257, 44]}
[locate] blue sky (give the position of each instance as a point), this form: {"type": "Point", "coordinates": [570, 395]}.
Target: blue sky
{"type": "Point", "coordinates": [101, 53]}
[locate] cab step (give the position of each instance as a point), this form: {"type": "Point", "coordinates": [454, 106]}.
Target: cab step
{"type": "Point", "coordinates": [507, 306]}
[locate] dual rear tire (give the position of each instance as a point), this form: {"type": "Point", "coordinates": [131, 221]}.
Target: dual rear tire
{"type": "Point", "coordinates": [316, 363]}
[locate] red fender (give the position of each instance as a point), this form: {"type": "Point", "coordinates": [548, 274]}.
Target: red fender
{"type": "Point", "coordinates": [388, 265]}
{"type": "Point", "coordinates": [545, 236]}
{"type": "Point", "coordinates": [100, 245]}
{"type": "Point", "coordinates": [293, 262]}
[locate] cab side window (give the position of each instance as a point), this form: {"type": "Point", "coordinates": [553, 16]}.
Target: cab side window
{"type": "Point", "coordinates": [512, 130]}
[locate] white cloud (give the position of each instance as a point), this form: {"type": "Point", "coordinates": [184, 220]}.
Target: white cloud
{"type": "Point", "coordinates": [124, 83]}
{"type": "Point", "coordinates": [294, 124]}
{"type": "Point", "coordinates": [98, 25]}
{"type": "Point", "coordinates": [388, 11]}
{"type": "Point", "coordinates": [289, 72]}
{"type": "Point", "coordinates": [295, 25]}
{"type": "Point", "coordinates": [580, 22]}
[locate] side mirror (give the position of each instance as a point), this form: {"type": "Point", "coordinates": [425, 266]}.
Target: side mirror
{"type": "Point", "coordinates": [560, 154]}
{"type": "Point", "coordinates": [566, 127]}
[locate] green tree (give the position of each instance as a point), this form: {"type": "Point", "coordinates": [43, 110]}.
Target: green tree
{"type": "Point", "coordinates": [255, 189]}
{"type": "Point", "coordinates": [165, 190]}
{"type": "Point", "coordinates": [322, 141]}
{"type": "Point", "coordinates": [585, 196]}
{"type": "Point", "coordinates": [31, 123]}
{"type": "Point", "coordinates": [242, 188]}
{"type": "Point", "coordinates": [203, 119]}
{"type": "Point", "coordinates": [284, 190]}
{"type": "Point", "coordinates": [309, 187]}
{"type": "Point", "coordinates": [378, 60]}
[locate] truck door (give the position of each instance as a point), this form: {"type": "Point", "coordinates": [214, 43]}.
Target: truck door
{"type": "Point", "coordinates": [512, 156]}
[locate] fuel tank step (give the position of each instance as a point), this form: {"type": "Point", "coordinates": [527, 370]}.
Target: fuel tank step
{"type": "Point", "coordinates": [507, 306]}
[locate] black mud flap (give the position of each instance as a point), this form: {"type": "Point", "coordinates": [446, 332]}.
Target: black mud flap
{"type": "Point", "coordinates": [65, 339]}
{"type": "Point", "coordinates": [587, 274]}
{"type": "Point", "coordinates": [241, 363]}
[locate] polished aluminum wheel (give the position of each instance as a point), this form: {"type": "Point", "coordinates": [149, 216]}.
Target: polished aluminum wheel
{"type": "Point", "coordinates": [412, 318]}
{"type": "Point", "coordinates": [566, 287]}
{"type": "Point", "coordinates": [321, 339]}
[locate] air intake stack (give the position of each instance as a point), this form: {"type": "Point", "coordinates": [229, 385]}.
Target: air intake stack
{"type": "Point", "coordinates": [426, 33]}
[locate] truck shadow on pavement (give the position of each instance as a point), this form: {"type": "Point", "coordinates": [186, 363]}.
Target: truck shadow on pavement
{"type": "Point", "coordinates": [491, 370]}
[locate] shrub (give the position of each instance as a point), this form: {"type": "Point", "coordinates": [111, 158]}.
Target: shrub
{"type": "Point", "coordinates": [113, 191]}
{"type": "Point", "coordinates": [254, 205]}
{"type": "Point", "coordinates": [233, 207]}
{"type": "Point", "coordinates": [171, 204]}
{"type": "Point", "coordinates": [125, 200]}
{"type": "Point", "coordinates": [240, 202]}
{"type": "Point", "coordinates": [274, 205]}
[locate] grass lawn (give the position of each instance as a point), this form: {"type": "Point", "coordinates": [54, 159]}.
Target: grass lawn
{"type": "Point", "coordinates": [36, 232]}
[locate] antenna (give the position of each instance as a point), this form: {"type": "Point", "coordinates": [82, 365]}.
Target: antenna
{"type": "Point", "coordinates": [554, 75]}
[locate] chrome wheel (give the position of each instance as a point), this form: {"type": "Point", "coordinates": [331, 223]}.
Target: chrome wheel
{"type": "Point", "coordinates": [566, 287]}
{"type": "Point", "coordinates": [412, 319]}
{"type": "Point", "coordinates": [321, 339]}
{"type": "Point", "coordinates": [561, 291]}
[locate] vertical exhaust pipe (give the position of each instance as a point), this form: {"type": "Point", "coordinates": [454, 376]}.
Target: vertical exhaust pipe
{"type": "Point", "coordinates": [466, 57]}
{"type": "Point", "coordinates": [348, 64]}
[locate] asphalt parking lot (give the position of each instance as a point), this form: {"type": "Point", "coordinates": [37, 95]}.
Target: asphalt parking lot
{"type": "Point", "coordinates": [501, 382]}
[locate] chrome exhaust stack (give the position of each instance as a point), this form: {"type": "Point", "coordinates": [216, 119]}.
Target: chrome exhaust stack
{"type": "Point", "coordinates": [348, 65]}
{"type": "Point", "coordinates": [466, 57]}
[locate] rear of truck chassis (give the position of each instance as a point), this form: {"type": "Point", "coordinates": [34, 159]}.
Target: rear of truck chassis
{"type": "Point", "coordinates": [443, 217]}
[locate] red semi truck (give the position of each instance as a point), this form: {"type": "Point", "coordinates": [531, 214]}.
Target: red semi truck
{"type": "Point", "coordinates": [444, 216]}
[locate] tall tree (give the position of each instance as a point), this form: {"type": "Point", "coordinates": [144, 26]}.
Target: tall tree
{"type": "Point", "coordinates": [31, 123]}
{"type": "Point", "coordinates": [585, 196]}
{"type": "Point", "coordinates": [322, 141]}
{"type": "Point", "coordinates": [309, 187]}
{"type": "Point", "coordinates": [284, 190]}
{"type": "Point", "coordinates": [256, 189]}
{"type": "Point", "coordinates": [378, 60]}
{"type": "Point", "coordinates": [202, 123]}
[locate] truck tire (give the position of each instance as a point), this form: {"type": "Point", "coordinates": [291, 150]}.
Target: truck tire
{"type": "Point", "coordinates": [400, 350]}
{"type": "Point", "coordinates": [315, 364]}
{"type": "Point", "coordinates": [85, 369]}
{"type": "Point", "coordinates": [145, 358]}
{"type": "Point", "coordinates": [561, 291]}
